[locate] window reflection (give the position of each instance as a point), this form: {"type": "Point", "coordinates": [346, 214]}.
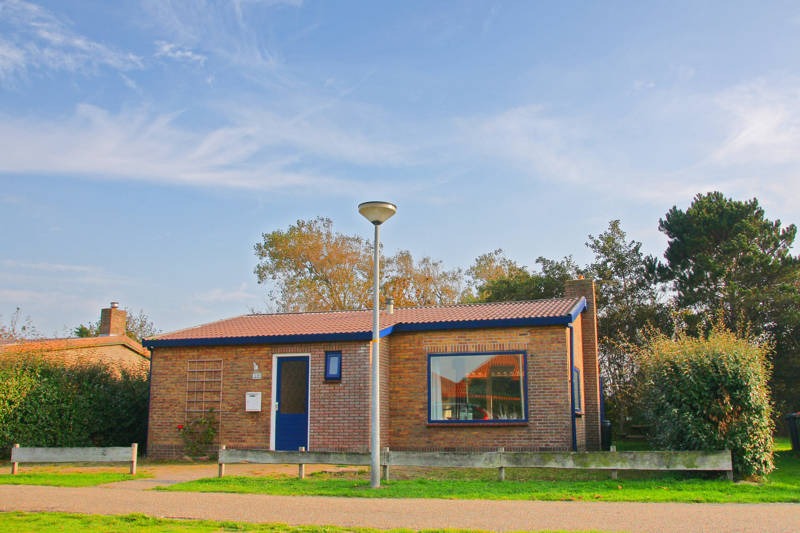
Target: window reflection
{"type": "Point", "coordinates": [477, 387]}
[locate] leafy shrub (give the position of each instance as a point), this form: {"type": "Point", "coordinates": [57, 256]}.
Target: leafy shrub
{"type": "Point", "coordinates": [43, 403]}
{"type": "Point", "coordinates": [709, 394]}
{"type": "Point", "coordinates": [198, 434]}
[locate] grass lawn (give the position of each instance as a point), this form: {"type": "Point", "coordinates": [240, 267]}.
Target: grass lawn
{"type": "Point", "coordinates": [782, 444]}
{"type": "Point", "coordinates": [18, 522]}
{"type": "Point", "coordinates": [68, 479]}
{"type": "Point", "coordinates": [783, 485]}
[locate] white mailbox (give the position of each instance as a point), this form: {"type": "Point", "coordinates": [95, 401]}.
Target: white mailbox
{"type": "Point", "coordinates": [252, 401]}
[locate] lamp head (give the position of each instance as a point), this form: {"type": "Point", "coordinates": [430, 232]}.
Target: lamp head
{"type": "Point", "coordinates": [377, 212]}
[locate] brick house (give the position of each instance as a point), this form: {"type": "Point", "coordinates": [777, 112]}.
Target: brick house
{"type": "Point", "coordinates": [523, 375]}
{"type": "Point", "coordinates": [111, 346]}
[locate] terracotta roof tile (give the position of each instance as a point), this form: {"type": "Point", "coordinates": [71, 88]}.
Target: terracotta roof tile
{"type": "Point", "coordinates": [351, 322]}
{"type": "Point", "coordinates": [69, 343]}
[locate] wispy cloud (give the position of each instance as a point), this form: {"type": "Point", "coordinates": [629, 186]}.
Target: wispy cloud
{"type": "Point", "coordinates": [745, 137]}
{"type": "Point", "coordinates": [219, 295]}
{"type": "Point", "coordinates": [12, 59]}
{"type": "Point", "coordinates": [47, 267]}
{"type": "Point", "coordinates": [221, 28]}
{"type": "Point", "coordinates": [527, 138]}
{"type": "Point", "coordinates": [11, 199]}
{"type": "Point", "coordinates": [24, 297]}
{"type": "Point", "coordinates": [130, 84]}
{"type": "Point", "coordinates": [764, 123]}
{"type": "Point", "coordinates": [261, 151]}
{"type": "Point", "coordinates": [315, 134]}
{"type": "Point", "coordinates": [42, 288]}
{"type": "Point", "coordinates": [178, 53]}
{"type": "Point", "coordinates": [742, 140]}
{"type": "Point", "coordinates": [80, 305]}
{"type": "Point", "coordinates": [36, 39]}
{"type": "Point", "coordinates": [642, 85]}
{"type": "Point", "coordinates": [15, 272]}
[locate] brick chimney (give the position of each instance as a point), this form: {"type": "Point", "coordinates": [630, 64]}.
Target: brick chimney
{"type": "Point", "coordinates": [591, 381]}
{"type": "Point", "coordinates": [112, 320]}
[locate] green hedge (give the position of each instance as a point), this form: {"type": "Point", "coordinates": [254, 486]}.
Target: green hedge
{"type": "Point", "coordinates": [47, 404]}
{"type": "Point", "coordinates": [709, 394]}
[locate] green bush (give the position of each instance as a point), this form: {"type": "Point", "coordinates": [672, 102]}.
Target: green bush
{"type": "Point", "coordinates": [198, 434]}
{"type": "Point", "coordinates": [709, 394]}
{"type": "Point", "coordinates": [43, 403]}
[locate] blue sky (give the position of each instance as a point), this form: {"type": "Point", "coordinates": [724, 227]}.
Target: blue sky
{"type": "Point", "coordinates": [145, 146]}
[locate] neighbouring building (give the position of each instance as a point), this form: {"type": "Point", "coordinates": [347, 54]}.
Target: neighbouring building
{"type": "Point", "coordinates": [111, 346]}
{"type": "Point", "coordinates": [522, 375]}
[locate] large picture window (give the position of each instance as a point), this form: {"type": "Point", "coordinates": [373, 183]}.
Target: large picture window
{"type": "Point", "coordinates": [476, 387]}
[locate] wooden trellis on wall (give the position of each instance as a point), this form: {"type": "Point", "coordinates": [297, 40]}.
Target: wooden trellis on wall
{"type": "Point", "coordinates": [203, 387]}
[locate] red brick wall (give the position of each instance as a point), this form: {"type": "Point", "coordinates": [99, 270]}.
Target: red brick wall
{"type": "Point", "coordinates": [591, 372]}
{"type": "Point", "coordinates": [385, 364]}
{"type": "Point", "coordinates": [580, 421]}
{"type": "Point", "coordinates": [549, 426]}
{"type": "Point", "coordinates": [112, 321]}
{"type": "Point", "coordinates": [338, 416]}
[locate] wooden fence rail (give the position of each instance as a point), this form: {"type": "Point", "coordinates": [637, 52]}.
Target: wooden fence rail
{"type": "Point", "coordinates": [114, 454]}
{"type": "Point", "coordinates": [500, 459]}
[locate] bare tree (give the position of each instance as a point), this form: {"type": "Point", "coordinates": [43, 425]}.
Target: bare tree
{"type": "Point", "coordinates": [19, 327]}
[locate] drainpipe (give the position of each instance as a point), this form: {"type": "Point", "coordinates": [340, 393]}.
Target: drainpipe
{"type": "Point", "coordinates": [572, 386]}
{"type": "Point", "coordinates": [149, 397]}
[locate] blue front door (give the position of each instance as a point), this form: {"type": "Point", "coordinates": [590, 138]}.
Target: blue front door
{"type": "Point", "coordinates": [291, 415]}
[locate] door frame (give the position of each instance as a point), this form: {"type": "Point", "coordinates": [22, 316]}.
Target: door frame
{"type": "Point", "coordinates": [272, 416]}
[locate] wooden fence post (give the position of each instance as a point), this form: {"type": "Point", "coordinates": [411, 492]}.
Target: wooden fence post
{"type": "Point", "coordinates": [301, 468]}
{"type": "Point", "coordinates": [14, 466]}
{"type": "Point", "coordinates": [386, 464]}
{"type": "Point", "coordinates": [134, 453]}
{"type": "Point", "coordinates": [221, 464]}
{"type": "Point", "coordinates": [614, 473]}
{"type": "Point", "coordinates": [501, 471]}
{"type": "Point", "coordinates": [729, 473]}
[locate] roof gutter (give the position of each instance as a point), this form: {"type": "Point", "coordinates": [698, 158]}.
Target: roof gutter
{"type": "Point", "coordinates": [149, 398]}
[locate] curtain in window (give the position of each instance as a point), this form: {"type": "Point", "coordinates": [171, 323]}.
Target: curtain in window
{"type": "Point", "coordinates": [436, 391]}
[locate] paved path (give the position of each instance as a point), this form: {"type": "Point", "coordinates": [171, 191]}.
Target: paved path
{"type": "Point", "coordinates": [410, 513]}
{"type": "Point", "coordinates": [129, 497]}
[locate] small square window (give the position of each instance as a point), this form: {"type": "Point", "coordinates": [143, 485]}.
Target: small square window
{"type": "Point", "coordinates": [333, 366]}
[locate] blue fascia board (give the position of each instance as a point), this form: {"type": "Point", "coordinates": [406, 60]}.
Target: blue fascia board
{"type": "Point", "coordinates": [262, 339]}
{"type": "Point", "coordinates": [579, 308]}
{"type": "Point", "coordinates": [570, 317]}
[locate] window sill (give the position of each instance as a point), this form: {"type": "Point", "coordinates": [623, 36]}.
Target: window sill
{"type": "Point", "coordinates": [459, 424]}
{"type": "Point", "coordinates": [578, 414]}
{"type": "Point", "coordinates": [332, 380]}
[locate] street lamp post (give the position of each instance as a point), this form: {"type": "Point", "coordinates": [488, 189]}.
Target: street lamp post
{"type": "Point", "coordinates": [377, 213]}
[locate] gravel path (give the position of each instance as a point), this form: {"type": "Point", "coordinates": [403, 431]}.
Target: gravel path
{"type": "Point", "coordinates": [410, 513]}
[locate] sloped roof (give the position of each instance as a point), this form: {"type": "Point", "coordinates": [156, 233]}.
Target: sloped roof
{"type": "Point", "coordinates": [357, 325]}
{"type": "Point", "coordinates": [71, 343]}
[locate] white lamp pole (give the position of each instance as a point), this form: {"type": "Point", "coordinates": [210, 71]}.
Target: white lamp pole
{"type": "Point", "coordinates": [377, 213]}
